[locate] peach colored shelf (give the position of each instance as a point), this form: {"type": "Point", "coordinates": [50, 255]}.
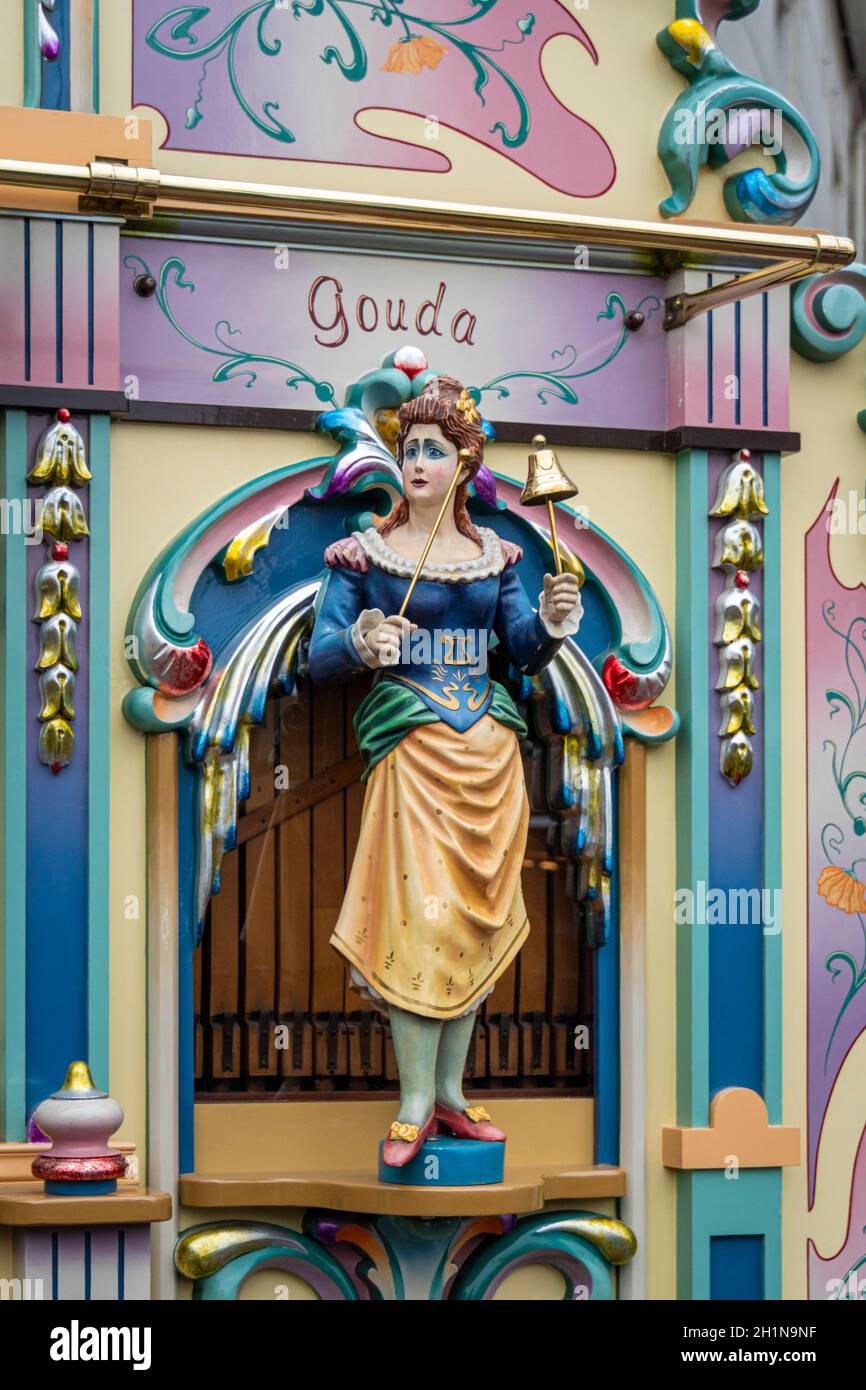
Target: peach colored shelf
{"type": "Point", "coordinates": [26, 1204]}
{"type": "Point", "coordinates": [524, 1190]}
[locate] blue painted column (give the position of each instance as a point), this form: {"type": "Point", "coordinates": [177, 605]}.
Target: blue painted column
{"type": "Point", "coordinates": [729, 1022]}
{"type": "Point", "coordinates": [14, 677]}
{"type": "Point", "coordinates": [67, 803]}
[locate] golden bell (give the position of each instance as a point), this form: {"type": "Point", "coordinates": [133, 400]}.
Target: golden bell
{"type": "Point", "coordinates": [547, 480]}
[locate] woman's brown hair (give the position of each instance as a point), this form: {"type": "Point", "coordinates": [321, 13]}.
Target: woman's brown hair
{"type": "Point", "coordinates": [437, 405]}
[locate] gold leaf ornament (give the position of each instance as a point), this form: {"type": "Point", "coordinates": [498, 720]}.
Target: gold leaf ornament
{"type": "Point", "coordinates": [60, 457]}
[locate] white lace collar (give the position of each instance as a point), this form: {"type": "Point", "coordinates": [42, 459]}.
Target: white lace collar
{"type": "Point", "coordinates": [491, 560]}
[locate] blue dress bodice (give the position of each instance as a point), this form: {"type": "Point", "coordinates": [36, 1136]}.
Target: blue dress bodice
{"type": "Point", "coordinates": [444, 662]}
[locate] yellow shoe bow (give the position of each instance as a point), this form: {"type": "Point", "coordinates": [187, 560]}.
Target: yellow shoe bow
{"type": "Point", "coordinates": [476, 1113]}
{"type": "Point", "coordinates": [403, 1131]}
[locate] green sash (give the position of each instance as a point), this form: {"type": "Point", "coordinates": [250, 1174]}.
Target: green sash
{"type": "Point", "coordinates": [391, 711]}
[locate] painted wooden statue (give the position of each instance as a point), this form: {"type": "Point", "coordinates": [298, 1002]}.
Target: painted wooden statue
{"type": "Point", "coordinates": [433, 913]}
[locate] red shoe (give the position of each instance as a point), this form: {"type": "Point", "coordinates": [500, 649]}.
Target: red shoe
{"type": "Point", "coordinates": [404, 1141]}
{"type": "Point", "coordinates": [471, 1123]}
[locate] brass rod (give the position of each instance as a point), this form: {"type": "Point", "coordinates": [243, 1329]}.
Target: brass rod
{"type": "Point", "coordinates": [557, 558]}
{"type": "Point", "coordinates": [821, 250]}
{"type": "Point", "coordinates": [683, 307]}
{"type": "Point", "coordinates": [461, 464]}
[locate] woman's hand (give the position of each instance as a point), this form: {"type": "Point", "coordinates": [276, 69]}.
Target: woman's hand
{"type": "Point", "coordinates": [385, 639]}
{"type": "Point", "coordinates": [561, 593]}
{"type": "Point", "coordinates": [347, 554]}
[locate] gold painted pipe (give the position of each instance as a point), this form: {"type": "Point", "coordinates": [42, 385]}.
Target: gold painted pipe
{"type": "Point", "coordinates": [820, 251]}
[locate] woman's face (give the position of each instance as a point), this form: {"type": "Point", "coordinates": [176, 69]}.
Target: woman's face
{"type": "Point", "coordinates": [429, 460]}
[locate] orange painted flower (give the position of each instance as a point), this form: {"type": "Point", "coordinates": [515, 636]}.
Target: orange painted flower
{"type": "Point", "coordinates": [842, 890]}
{"type": "Point", "coordinates": [413, 55]}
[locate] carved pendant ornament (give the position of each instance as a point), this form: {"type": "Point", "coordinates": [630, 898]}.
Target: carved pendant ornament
{"type": "Point", "coordinates": [61, 466]}
{"type": "Point", "coordinates": [739, 551]}
{"type": "Point", "coordinates": [721, 114]}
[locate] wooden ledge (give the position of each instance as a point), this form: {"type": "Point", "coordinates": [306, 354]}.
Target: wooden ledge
{"type": "Point", "coordinates": [524, 1190]}
{"type": "Point", "coordinates": [26, 1204]}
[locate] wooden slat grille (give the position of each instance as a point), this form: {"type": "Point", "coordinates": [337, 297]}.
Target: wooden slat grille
{"type": "Point", "coordinates": [273, 1008]}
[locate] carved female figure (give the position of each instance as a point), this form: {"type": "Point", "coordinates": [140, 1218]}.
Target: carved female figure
{"type": "Point", "coordinates": [433, 912]}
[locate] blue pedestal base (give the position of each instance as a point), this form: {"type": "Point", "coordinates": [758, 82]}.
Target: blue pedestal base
{"type": "Point", "coordinates": [80, 1189]}
{"type": "Point", "coordinates": [447, 1162]}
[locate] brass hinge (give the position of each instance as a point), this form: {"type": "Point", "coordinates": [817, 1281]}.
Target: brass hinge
{"type": "Point", "coordinates": [120, 189]}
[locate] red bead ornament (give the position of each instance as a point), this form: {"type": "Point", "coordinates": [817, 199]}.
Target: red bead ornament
{"type": "Point", "coordinates": [745, 455]}
{"type": "Point", "coordinates": [410, 360]}
{"type": "Point", "coordinates": [59, 551]}
{"type": "Point", "coordinates": [742, 580]}
{"type": "Point", "coordinates": [63, 415]}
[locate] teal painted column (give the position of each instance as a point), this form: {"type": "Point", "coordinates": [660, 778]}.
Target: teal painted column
{"type": "Point", "coordinates": [692, 760]}
{"type": "Point", "coordinates": [716, 1207]}
{"type": "Point", "coordinates": [728, 840]}
{"type": "Point", "coordinates": [98, 808]}
{"type": "Point", "coordinates": [772, 733]}
{"type": "Point", "coordinates": [14, 616]}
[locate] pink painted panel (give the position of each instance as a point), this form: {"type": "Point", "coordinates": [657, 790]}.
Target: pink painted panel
{"type": "Point", "coordinates": [308, 82]}
{"type": "Point", "coordinates": [43, 302]}
{"type": "Point", "coordinates": [836, 867]}
{"type": "Point", "coordinates": [104, 1245]}
{"type": "Point", "coordinates": [136, 1267]}
{"type": "Point", "coordinates": [724, 364]}
{"type": "Point", "coordinates": [75, 304]}
{"type": "Point", "coordinates": [752, 362]}
{"type": "Point", "coordinates": [779, 354]}
{"type": "Point", "coordinates": [12, 300]}
{"type": "Point", "coordinates": [106, 307]}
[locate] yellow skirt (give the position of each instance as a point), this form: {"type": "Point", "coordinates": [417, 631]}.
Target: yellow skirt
{"type": "Point", "coordinates": [434, 912]}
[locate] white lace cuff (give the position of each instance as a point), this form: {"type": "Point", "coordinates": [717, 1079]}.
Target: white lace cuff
{"type": "Point", "coordinates": [567, 626]}
{"type": "Point", "coordinates": [367, 619]}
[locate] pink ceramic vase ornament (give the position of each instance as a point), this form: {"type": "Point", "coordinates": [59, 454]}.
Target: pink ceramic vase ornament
{"type": "Point", "coordinates": [79, 1120]}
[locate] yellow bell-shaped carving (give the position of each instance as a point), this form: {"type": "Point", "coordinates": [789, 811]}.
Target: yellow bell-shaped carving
{"type": "Point", "coordinates": [56, 744]}
{"type": "Point", "coordinates": [547, 480]}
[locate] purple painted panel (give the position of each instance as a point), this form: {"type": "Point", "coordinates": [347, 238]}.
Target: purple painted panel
{"type": "Point", "coordinates": [59, 286]}
{"type": "Point", "coordinates": [265, 326]}
{"type": "Point", "coordinates": [307, 81]}
{"type": "Point", "coordinates": [836, 758]}
{"type": "Point", "coordinates": [730, 368]}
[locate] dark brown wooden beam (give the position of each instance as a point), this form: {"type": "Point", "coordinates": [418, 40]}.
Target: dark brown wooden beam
{"type": "Point", "coordinates": [310, 793]}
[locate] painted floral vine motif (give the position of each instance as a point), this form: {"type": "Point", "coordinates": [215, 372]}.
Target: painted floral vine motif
{"type": "Point", "coordinates": [236, 362]}
{"type": "Point", "coordinates": [423, 42]}
{"type": "Point", "coordinates": [556, 383]}
{"type": "Point", "coordinates": [839, 886]}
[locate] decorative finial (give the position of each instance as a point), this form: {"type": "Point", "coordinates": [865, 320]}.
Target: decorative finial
{"type": "Point", "coordinates": [78, 1078]}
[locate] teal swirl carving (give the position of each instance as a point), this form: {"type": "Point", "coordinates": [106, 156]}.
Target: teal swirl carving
{"type": "Point", "coordinates": [850, 781]}
{"type": "Point", "coordinates": [700, 129]}
{"type": "Point", "coordinates": [351, 1257]}
{"type": "Point", "coordinates": [828, 316]}
{"type": "Point", "coordinates": [236, 363]}
{"type": "Point", "coordinates": [174, 36]}
{"type": "Point", "coordinates": [556, 382]}
{"type": "Point", "coordinates": [581, 1245]}
{"type": "Point", "coordinates": [220, 1257]}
